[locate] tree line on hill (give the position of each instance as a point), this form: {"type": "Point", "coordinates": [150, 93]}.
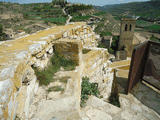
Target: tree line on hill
{"type": "Point", "coordinates": [148, 10]}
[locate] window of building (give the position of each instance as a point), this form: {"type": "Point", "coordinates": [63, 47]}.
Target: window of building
{"type": "Point", "coordinates": [130, 27]}
{"type": "Point", "coordinates": [126, 26]}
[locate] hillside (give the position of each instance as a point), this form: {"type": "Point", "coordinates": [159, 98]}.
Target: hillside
{"type": "Point", "coordinates": [149, 10]}
{"type": "Point", "coordinates": [20, 19]}
{"type": "Point", "coordinates": [148, 14]}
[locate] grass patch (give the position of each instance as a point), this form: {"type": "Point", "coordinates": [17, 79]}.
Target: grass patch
{"type": "Point", "coordinates": [64, 79]}
{"type": "Point", "coordinates": [56, 89]}
{"type": "Point", "coordinates": [85, 51]}
{"type": "Point", "coordinates": [153, 28]}
{"type": "Point", "coordinates": [105, 34]}
{"type": "Point", "coordinates": [46, 76]}
{"type": "Point", "coordinates": [88, 89]}
{"type": "Point", "coordinates": [100, 13]}
{"type": "Point", "coordinates": [117, 18]}
{"type": "Point", "coordinates": [58, 20]}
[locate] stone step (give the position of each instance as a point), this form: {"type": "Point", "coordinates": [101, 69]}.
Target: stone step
{"type": "Point", "coordinates": [59, 108]}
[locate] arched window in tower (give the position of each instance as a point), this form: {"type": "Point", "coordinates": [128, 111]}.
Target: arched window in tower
{"type": "Point", "coordinates": [130, 27]}
{"type": "Point", "coordinates": [126, 26]}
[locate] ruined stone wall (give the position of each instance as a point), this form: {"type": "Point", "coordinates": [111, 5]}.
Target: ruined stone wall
{"type": "Point", "coordinates": [18, 82]}
{"type": "Point", "coordinates": [69, 48]}
{"type": "Point", "coordinates": [96, 67]}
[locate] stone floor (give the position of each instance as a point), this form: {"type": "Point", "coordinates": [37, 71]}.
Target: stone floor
{"type": "Point", "coordinates": [147, 96]}
{"type": "Point", "coordinates": [56, 104]}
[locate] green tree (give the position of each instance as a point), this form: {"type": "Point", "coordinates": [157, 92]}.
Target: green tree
{"type": "Point", "coordinates": [62, 3]}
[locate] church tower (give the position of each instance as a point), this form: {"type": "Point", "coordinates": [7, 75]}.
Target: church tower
{"type": "Point", "coordinates": [126, 35]}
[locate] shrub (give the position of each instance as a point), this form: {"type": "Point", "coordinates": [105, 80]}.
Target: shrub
{"type": "Point", "coordinates": [87, 89]}
{"type": "Point", "coordinates": [110, 50]}
{"type": "Point", "coordinates": [153, 28]}
{"type": "Point", "coordinates": [62, 3]}
{"type": "Point", "coordinates": [58, 20]}
{"type": "Point", "coordinates": [100, 13]}
{"type": "Point", "coordinates": [114, 45]}
{"type": "Point", "coordinates": [105, 34]}
{"type": "Point", "coordinates": [76, 8]}
{"type": "Point", "coordinates": [101, 45]}
{"type": "Point", "coordinates": [25, 15]}
{"type": "Point", "coordinates": [46, 76]}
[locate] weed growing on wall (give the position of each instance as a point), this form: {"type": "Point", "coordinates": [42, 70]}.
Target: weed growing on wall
{"type": "Point", "coordinates": [46, 76]}
{"type": "Point", "coordinates": [88, 89]}
{"type": "Point", "coordinates": [85, 51]}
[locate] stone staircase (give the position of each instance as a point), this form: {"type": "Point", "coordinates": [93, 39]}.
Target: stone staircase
{"type": "Point", "coordinates": [131, 109]}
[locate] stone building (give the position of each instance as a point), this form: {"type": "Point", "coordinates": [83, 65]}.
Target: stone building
{"type": "Point", "coordinates": [126, 35]}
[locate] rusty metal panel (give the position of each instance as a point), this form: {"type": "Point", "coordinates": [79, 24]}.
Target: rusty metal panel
{"type": "Point", "coordinates": [151, 73]}
{"type": "Point", "coordinates": [137, 65]}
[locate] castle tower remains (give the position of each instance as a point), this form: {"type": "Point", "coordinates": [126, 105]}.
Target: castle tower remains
{"type": "Point", "coordinates": [126, 35]}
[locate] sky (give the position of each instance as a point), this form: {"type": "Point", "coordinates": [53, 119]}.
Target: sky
{"type": "Point", "coordinates": [93, 2]}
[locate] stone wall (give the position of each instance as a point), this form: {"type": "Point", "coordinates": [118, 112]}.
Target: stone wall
{"type": "Point", "coordinates": [18, 82]}
{"type": "Point", "coordinates": [69, 48]}
{"type": "Point", "coordinates": [96, 67]}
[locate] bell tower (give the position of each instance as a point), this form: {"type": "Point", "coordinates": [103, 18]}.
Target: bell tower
{"type": "Point", "coordinates": [126, 35]}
